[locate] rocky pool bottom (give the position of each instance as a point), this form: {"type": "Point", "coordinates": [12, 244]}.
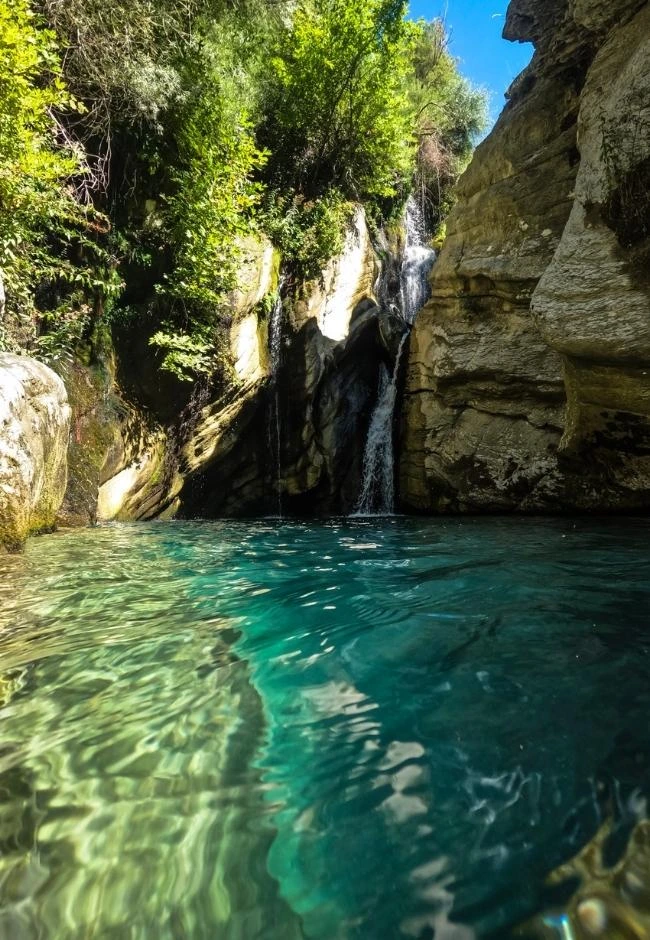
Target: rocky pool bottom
{"type": "Point", "coordinates": [371, 729]}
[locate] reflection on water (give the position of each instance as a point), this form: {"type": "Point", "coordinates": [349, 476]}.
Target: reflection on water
{"type": "Point", "coordinates": [130, 805]}
{"type": "Point", "coordinates": [361, 729]}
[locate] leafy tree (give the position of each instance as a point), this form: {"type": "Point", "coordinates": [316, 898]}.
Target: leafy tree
{"type": "Point", "coordinates": [127, 61]}
{"type": "Point", "coordinates": [337, 122]}
{"type": "Point", "coordinates": [208, 212]}
{"type": "Point", "coordinates": [192, 123]}
{"type": "Point", "coordinates": [45, 233]}
{"type": "Point", "coordinates": [169, 92]}
{"type": "Point", "coordinates": [337, 115]}
{"type": "Point", "coordinates": [449, 115]}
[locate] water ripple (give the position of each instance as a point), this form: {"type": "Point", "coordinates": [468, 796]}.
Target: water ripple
{"type": "Point", "coordinates": [364, 730]}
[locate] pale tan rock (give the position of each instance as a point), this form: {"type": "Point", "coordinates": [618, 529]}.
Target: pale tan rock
{"type": "Point", "coordinates": [140, 488]}
{"type": "Point", "coordinates": [146, 467]}
{"type": "Point", "coordinates": [34, 430]}
{"type": "Point", "coordinates": [248, 348]}
{"type": "Point", "coordinates": [592, 303]}
{"type": "Point", "coordinates": [317, 406]}
{"type": "Point", "coordinates": [256, 274]}
{"type": "Point", "coordinates": [527, 381]}
{"type": "Point", "coordinates": [484, 402]}
{"type": "Point", "coordinates": [344, 283]}
{"type": "Point", "coordinates": [258, 279]}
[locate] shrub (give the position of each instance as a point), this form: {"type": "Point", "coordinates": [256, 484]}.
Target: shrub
{"type": "Point", "coordinates": [337, 114]}
{"type": "Point", "coordinates": [47, 237]}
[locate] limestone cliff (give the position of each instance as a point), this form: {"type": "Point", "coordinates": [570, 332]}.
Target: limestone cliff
{"type": "Point", "coordinates": [285, 431]}
{"type": "Point", "coordinates": [288, 436]}
{"type": "Point", "coordinates": [528, 385]}
{"type": "Point", "coordinates": [142, 469]}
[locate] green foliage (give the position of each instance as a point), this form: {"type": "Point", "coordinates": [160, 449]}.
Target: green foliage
{"type": "Point", "coordinates": [337, 112]}
{"type": "Point", "coordinates": [361, 104]}
{"type": "Point", "coordinates": [449, 116]}
{"type": "Point", "coordinates": [129, 61]}
{"type": "Point", "coordinates": [127, 58]}
{"type": "Point", "coordinates": [338, 122]}
{"type": "Point", "coordinates": [308, 233]}
{"type": "Point", "coordinates": [184, 355]}
{"type": "Point", "coordinates": [46, 235]}
{"type": "Point", "coordinates": [211, 207]}
{"type": "Point", "coordinates": [119, 54]}
{"type": "Point", "coordinates": [208, 210]}
{"type": "Point", "coordinates": [193, 125]}
{"type": "Point", "coordinates": [61, 330]}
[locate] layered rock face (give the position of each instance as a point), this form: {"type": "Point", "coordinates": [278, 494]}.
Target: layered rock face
{"type": "Point", "coordinates": [34, 430]}
{"type": "Point", "coordinates": [286, 431]}
{"type": "Point", "coordinates": [528, 381]}
{"type": "Point", "coordinates": [289, 435]}
{"type": "Point", "coordinates": [143, 468]}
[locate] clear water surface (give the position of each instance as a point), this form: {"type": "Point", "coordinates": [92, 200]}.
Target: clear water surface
{"type": "Point", "coordinates": [361, 729]}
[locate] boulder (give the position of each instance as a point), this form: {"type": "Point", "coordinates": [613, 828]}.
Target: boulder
{"type": "Point", "coordinates": [34, 432]}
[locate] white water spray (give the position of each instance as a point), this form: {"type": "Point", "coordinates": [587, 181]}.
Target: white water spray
{"type": "Point", "coordinates": [417, 262]}
{"type": "Point", "coordinates": [378, 484]}
{"type": "Point", "coordinates": [274, 424]}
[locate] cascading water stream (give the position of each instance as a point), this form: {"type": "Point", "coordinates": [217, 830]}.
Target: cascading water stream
{"type": "Point", "coordinates": [378, 488]}
{"type": "Point", "coordinates": [274, 423]}
{"type": "Point", "coordinates": [417, 262]}
{"type": "Point", "coordinates": [378, 483]}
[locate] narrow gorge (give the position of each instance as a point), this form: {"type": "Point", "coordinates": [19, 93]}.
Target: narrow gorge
{"type": "Point", "coordinates": [527, 379]}
{"type": "Point", "coordinates": [324, 471]}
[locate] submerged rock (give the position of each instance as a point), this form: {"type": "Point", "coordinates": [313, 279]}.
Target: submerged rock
{"type": "Point", "coordinates": [612, 902]}
{"type": "Point", "coordinates": [34, 430]}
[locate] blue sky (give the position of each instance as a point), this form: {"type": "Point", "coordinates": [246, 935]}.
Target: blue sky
{"type": "Point", "coordinates": [475, 27]}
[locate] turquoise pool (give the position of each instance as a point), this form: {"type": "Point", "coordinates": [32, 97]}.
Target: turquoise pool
{"type": "Point", "coordinates": [353, 730]}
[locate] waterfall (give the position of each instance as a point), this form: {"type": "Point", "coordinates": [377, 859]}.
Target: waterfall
{"type": "Point", "coordinates": [274, 424]}
{"type": "Point", "coordinates": [378, 484]}
{"type": "Point", "coordinates": [378, 487]}
{"type": "Point", "coordinates": [417, 262]}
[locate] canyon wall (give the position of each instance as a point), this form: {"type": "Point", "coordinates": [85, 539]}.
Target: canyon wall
{"type": "Point", "coordinates": [528, 385]}
{"type": "Point", "coordinates": [288, 436]}
{"type": "Point", "coordinates": [283, 432]}
{"type": "Point", "coordinates": [528, 380]}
